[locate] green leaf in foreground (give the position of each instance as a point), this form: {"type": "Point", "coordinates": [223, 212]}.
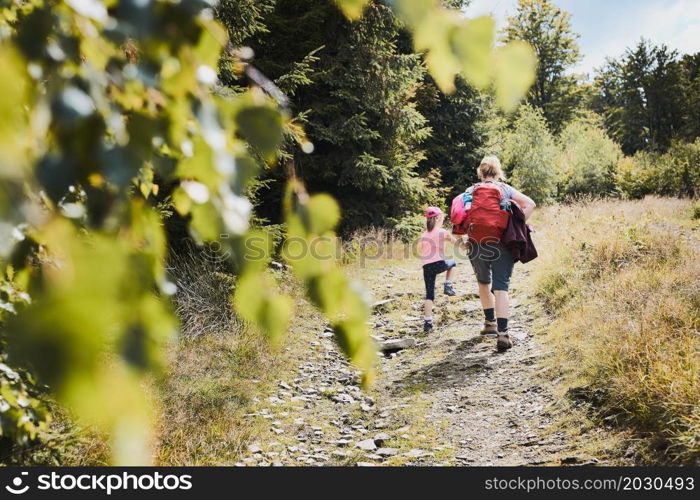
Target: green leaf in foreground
{"type": "Point", "coordinates": [515, 65]}
{"type": "Point", "coordinates": [454, 44]}
{"type": "Point", "coordinates": [352, 8]}
{"type": "Point", "coordinates": [310, 222]}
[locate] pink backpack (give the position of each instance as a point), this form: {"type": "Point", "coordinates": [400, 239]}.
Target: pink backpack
{"type": "Point", "coordinates": [457, 211]}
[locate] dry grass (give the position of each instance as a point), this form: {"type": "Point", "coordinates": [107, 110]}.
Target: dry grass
{"type": "Point", "coordinates": [211, 386]}
{"type": "Point", "coordinates": [203, 298]}
{"type": "Point", "coordinates": [215, 371]}
{"type": "Point", "coordinates": [374, 245]}
{"type": "Point", "coordinates": [621, 282]}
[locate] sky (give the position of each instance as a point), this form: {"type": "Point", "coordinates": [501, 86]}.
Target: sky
{"type": "Point", "coordinates": [608, 27]}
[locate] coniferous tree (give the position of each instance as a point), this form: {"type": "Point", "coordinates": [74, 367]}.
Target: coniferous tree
{"type": "Point", "coordinates": [243, 19]}
{"type": "Point", "coordinates": [641, 97]}
{"type": "Point", "coordinates": [358, 105]}
{"type": "Point", "coordinates": [690, 91]}
{"type": "Point", "coordinates": [459, 133]}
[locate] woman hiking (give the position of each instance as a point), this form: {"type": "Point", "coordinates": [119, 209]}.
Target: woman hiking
{"type": "Point", "coordinates": [485, 211]}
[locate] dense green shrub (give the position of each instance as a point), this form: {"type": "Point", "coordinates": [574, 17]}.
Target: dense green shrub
{"type": "Point", "coordinates": [409, 228]}
{"type": "Point", "coordinates": [587, 160]}
{"type": "Point", "coordinates": [529, 155]}
{"type": "Point", "coordinates": [674, 173]}
{"type": "Point", "coordinates": [679, 170]}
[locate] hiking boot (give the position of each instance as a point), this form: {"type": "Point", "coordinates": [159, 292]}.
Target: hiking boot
{"type": "Point", "coordinates": [503, 342]}
{"type": "Point", "coordinates": [427, 326]}
{"type": "Point", "coordinates": [449, 290]}
{"type": "Point", "coordinates": [490, 329]}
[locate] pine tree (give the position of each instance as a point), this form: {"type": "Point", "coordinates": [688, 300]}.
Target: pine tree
{"type": "Point", "coordinates": [456, 144]}
{"type": "Point", "coordinates": [243, 19]}
{"type": "Point", "coordinates": [358, 105]}
{"type": "Point", "coordinates": [690, 74]}
{"type": "Point", "coordinates": [641, 97]}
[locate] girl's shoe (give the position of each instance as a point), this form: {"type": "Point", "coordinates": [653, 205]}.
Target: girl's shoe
{"type": "Point", "coordinates": [490, 329]}
{"type": "Point", "coordinates": [503, 342]}
{"type": "Point", "coordinates": [427, 326]}
{"type": "Point", "coordinates": [449, 290]}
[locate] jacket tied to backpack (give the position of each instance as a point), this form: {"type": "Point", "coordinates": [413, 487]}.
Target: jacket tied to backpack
{"type": "Point", "coordinates": [482, 213]}
{"type": "Point", "coordinates": [516, 238]}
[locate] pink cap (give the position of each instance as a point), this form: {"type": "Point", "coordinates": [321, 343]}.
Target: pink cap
{"type": "Point", "coordinates": [431, 212]}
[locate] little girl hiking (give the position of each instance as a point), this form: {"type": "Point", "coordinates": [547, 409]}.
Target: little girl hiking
{"type": "Point", "coordinates": [431, 248]}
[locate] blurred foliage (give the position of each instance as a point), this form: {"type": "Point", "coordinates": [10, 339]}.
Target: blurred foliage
{"type": "Point", "coordinates": [22, 415]}
{"type": "Point", "coordinates": [310, 223]}
{"type": "Point", "coordinates": [110, 120]}
{"type": "Point", "coordinates": [454, 44]}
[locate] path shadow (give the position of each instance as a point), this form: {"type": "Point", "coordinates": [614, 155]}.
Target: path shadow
{"type": "Point", "coordinates": [469, 358]}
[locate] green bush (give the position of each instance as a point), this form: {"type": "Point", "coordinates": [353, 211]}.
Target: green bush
{"type": "Point", "coordinates": [409, 227]}
{"type": "Point", "coordinates": [633, 175]}
{"type": "Point", "coordinates": [587, 160]}
{"type": "Point", "coordinates": [529, 155]}
{"type": "Point", "coordinates": [674, 173]}
{"type": "Point", "coordinates": [679, 170]}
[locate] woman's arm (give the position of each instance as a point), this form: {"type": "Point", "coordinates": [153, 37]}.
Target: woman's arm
{"type": "Point", "coordinates": [525, 203]}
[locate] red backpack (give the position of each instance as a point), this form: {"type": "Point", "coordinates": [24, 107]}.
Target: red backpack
{"type": "Point", "coordinates": [484, 219]}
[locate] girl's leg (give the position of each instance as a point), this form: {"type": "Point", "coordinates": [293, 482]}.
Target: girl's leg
{"type": "Point", "coordinates": [450, 264]}
{"type": "Point", "coordinates": [429, 276]}
{"type": "Point", "coordinates": [428, 309]}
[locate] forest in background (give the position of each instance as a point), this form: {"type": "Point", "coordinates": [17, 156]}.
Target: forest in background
{"type": "Point", "coordinates": [388, 141]}
{"type": "Point", "coordinates": [151, 155]}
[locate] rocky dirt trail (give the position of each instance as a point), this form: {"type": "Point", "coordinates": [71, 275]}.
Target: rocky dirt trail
{"type": "Point", "coordinates": [451, 399]}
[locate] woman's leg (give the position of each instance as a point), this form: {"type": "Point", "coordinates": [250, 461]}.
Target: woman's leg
{"type": "Point", "coordinates": [502, 269]}
{"type": "Point", "coordinates": [479, 258]}
{"type": "Point", "coordinates": [501, 303]}
{"type": "Point", "coordinates": [487, 298]}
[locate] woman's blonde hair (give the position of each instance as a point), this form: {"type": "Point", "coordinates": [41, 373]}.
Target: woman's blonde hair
{"type": "Point", "coordinates": [490, 167]}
